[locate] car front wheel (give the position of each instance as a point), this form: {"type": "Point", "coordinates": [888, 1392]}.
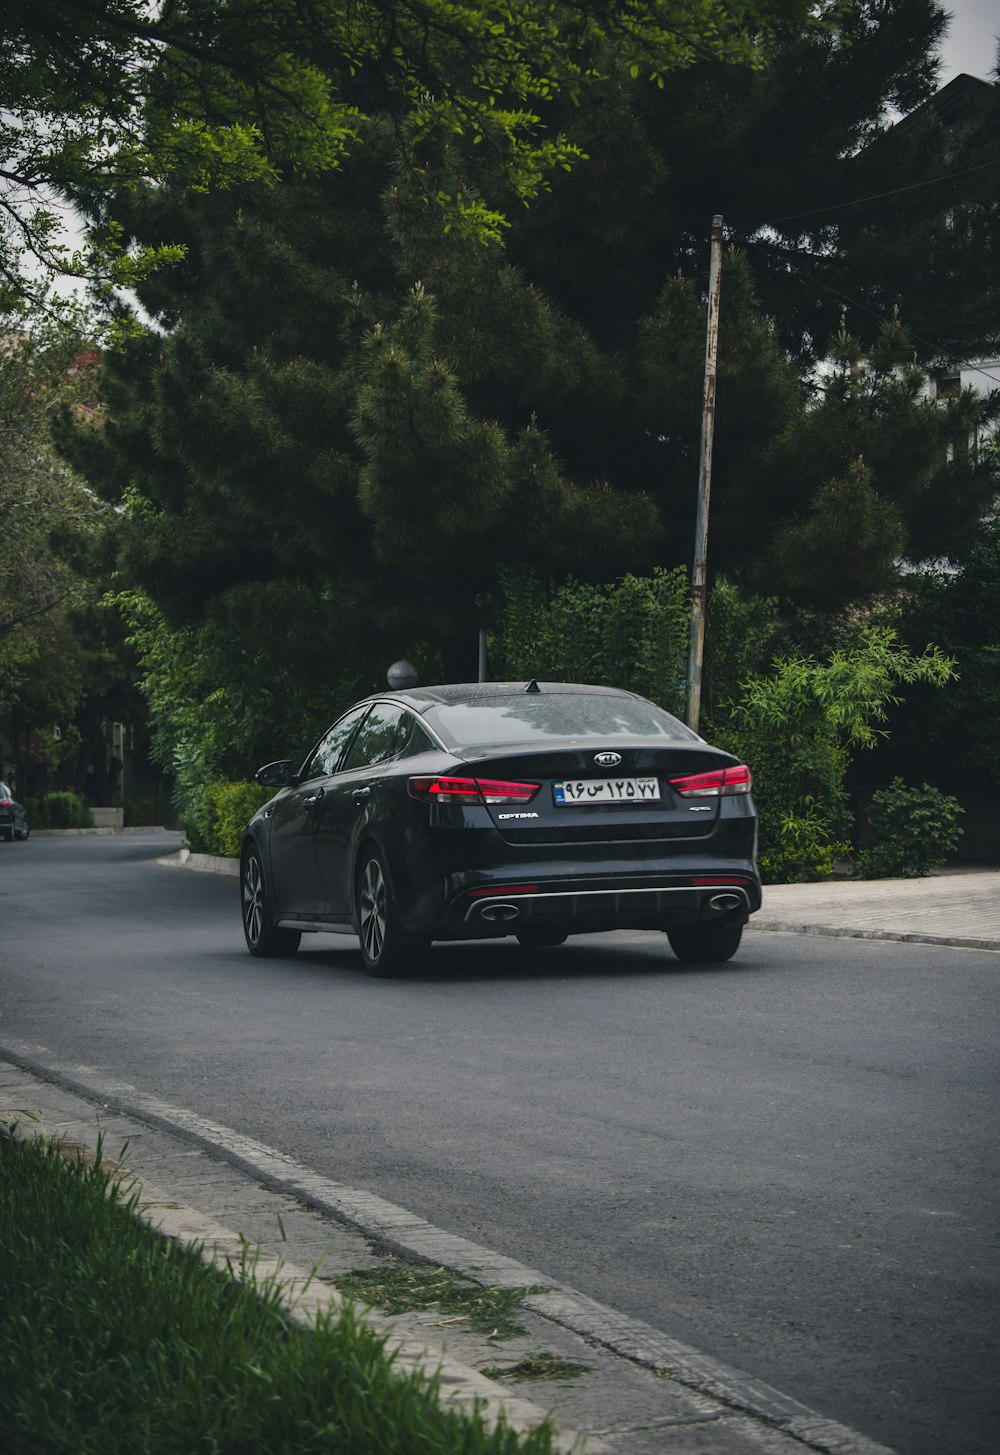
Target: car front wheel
{"type": "Point", "coordinates": [262, 939]}
{"type": "Point", "coordinates": [706, 944]}
{"type": "Point", "coordinates": [383, 950]}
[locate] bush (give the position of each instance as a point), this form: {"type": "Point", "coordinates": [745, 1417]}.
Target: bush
{"type": "Point", "coordinates": [217, 813]}
{"type": "Point", "coordinates": [631, 633]}
{"type": "Point", "coordinates": [915, 830]}
{"type": "Point", "coordinates": [144, 812]}
{"type": "Point", "coordinates": [795, 727]}
{"type": "Point", "coordinates": [64, 811]}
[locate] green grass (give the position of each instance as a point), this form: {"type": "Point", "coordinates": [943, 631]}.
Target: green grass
{"type": "Point", "coordinates": [114, 1341]}
{"type": "Point", "coordinates": [540, 1365]}
{"type": "Point", "coordinates": [409, 1286]}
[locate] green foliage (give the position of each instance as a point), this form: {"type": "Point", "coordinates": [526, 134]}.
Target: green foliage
{"type": "Point", "coordinates": [139, 811]}
{"type": "Point", "coordinates": [795, 727]}
{"type": "Point", "coordinates": [214, 813]}
{"type": "Point", "coordinates": [949, 738]}
{"type": "Point", "coordinates": [202, 96]}
{"type": "Point", "coordinates": [62, 811]}
{"type": "Point", "coordinates": [914, 831]}
{"type": "Point", "coordinates": [632, 633]}
{"type": "Point", "coordinates": [115, 1340]}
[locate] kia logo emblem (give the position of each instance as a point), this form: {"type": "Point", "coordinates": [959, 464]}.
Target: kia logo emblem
{"type": "Point", "coordinates": [607, 760]}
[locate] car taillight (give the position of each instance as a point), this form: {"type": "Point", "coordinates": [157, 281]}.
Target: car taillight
{"type": "Point", "coordinates": [471, 790]}
{"type": "Point", "coordinates": [6, 803]}
{"type": "Point", "coordinates": [717, 784]}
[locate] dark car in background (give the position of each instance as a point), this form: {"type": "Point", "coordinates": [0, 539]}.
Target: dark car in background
{"type": "Point", "coordinates": [13, 819]}
{"type": "Point", "coordinates": [536, 810]}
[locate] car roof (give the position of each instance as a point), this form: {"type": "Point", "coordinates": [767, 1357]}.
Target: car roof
{"type": "Point", "coordinates": [467, 693]}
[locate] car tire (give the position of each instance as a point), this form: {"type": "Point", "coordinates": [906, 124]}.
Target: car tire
{"type": "Point", "coordinates": [705, 944]}
{"type": "Point", "coordinates": [261, 936]}
{"type": "Point", "coordinates": [25, 831]}
{"type": "Point", "coordinates": [383, 950]}
{"type": "Point", "coordinates": [541, 939]}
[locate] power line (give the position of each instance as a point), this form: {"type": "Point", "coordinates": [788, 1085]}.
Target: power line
{"type": "Point", "coordinates": [878, 196]}
{"type": "Point", "coordinates": [839, 294]}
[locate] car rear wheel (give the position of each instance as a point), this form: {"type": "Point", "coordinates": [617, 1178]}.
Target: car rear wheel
{"type": "Point", "coordinates": [383, 950]}
{"type": "Point", "coordinates": [23, 832]}
{"type": "Point", "coordinates": [261, 937]}
{"type": "Point", "coordinates": [706, 944]}
{"type": "Point", "coordinates": [541, 939]}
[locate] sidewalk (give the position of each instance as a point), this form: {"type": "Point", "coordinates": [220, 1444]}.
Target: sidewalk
{"type": "Point", "coordinates": [953, 906]}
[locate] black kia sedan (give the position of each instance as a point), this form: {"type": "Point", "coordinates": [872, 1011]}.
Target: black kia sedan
{"type": "Point", "coordinates": [537, 810]}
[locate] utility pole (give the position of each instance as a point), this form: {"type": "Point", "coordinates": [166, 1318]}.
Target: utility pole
{"type": "Point", "coordinates": [699, 588]}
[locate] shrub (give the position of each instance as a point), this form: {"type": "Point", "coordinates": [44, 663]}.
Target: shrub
{"type": "Point", "coordinates": [915, 830]}
{"type": "Point", "coordinates": [65, 811]}
{"type": "Point", "coordinates": [631, 633]}
{"type": "Point", "coordinates": [142, 812]}
{"type": "Point", "coordinates": [795, 727]}
{"type": "Point", "coordinates": [217, 813]}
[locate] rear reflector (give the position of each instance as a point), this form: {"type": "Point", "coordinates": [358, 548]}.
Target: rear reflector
{"type": "Point", "coordinates": [471, 790]}
{"type": "Point", "coordinates": [718, 784]}
{"type": "Point", "coordinates": [504, 890]}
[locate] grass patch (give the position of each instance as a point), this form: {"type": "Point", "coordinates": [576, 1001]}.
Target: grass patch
{"type": "Point", "coordinates": [542, 1365]}
{"type": "Point", "coordinates": [408, 1286]}
{"type": "Point", "coordinates": [115, 1341]}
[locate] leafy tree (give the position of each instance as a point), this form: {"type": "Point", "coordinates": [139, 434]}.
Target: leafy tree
{"type": "Point", "coordinates": [346, 401]}
{"type": "Point", "coordinates": [54, 647]}
{"type": "Point", "coordinates": [949, 738]}
{"type": "Point", "coordinates": [631, 634]}
{"type": "Point", "coordinates": [796, 726]}
{"type": "Point", "coordinates": [100, 95]}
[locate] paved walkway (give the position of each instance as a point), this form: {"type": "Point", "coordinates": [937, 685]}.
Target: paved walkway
{"type": "Point", "coordinates": [954, 906]}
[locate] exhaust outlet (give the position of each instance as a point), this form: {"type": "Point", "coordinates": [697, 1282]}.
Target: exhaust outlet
{"type": "Point", "coordinates": [495, 912]}
{"type": "Point", "coordinates": [723, 902]}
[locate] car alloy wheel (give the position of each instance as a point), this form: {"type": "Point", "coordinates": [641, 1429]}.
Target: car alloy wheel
{"type": "Point", "coordinates": [382, 949]}
{"type": "Point", "coordinates": [261, 938]}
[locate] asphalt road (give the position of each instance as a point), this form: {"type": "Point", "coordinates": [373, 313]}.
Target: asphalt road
{"type": "Point", "coordinates": [790, 1161]}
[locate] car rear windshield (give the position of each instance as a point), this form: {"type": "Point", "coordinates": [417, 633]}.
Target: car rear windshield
{"type": "Point", "coordinates": [531, 718]}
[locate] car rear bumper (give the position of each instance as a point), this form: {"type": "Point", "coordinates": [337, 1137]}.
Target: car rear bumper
{"type": "Point", "coordinates": [589, 905]}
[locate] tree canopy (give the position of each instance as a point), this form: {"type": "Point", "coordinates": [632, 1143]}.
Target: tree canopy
{"type": "Point", "coordinates": [102, 96]}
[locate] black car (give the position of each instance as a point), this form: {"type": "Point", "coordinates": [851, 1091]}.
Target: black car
{"type": "Point", "coordinates": [13, 819]}
{"type": "Point", "coordinates": [538, 810]}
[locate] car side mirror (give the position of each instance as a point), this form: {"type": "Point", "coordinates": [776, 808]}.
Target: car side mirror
{"type": "Point", "coordinates": [275, 775]}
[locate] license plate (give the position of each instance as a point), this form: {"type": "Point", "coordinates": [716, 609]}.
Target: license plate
{"type": "Point", "coordinates": [606, 790]}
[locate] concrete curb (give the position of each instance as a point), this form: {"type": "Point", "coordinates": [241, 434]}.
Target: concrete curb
{"type": "Point", "coordinates": [305, 1298]}
{"type": "Point", "coordinates": [101, 832]}
{"type": "Point", "coordinates": [761, 1418]}
{"type": "Point", "coordinates": [206, 863]}
{"type": "Point", "coordinates": [957, 942]}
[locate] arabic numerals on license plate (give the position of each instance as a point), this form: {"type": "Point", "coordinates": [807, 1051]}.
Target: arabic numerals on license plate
{"type": "Point", "coordinates": [604, 789]}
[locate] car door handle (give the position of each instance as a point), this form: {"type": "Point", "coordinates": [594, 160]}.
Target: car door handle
{"type": "Point", "coordinates": [360, 795]}
{"type": "Point", "coordinates": [313, 798]}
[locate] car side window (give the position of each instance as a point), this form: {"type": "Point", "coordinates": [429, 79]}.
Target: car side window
{"type": "Point", "coordinates": [378, 739]}
{"type": "Point", "coordinates": [325, 757]}
{"type": "Point", "coordinates": [411, 738]}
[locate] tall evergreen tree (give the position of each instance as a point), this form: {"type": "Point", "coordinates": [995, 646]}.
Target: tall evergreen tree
{"type": "Point", "coordinates": [345, 396]}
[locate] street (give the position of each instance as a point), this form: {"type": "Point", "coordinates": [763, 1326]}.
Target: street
{"type": "Point", "coordinates": [789, 1161]}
